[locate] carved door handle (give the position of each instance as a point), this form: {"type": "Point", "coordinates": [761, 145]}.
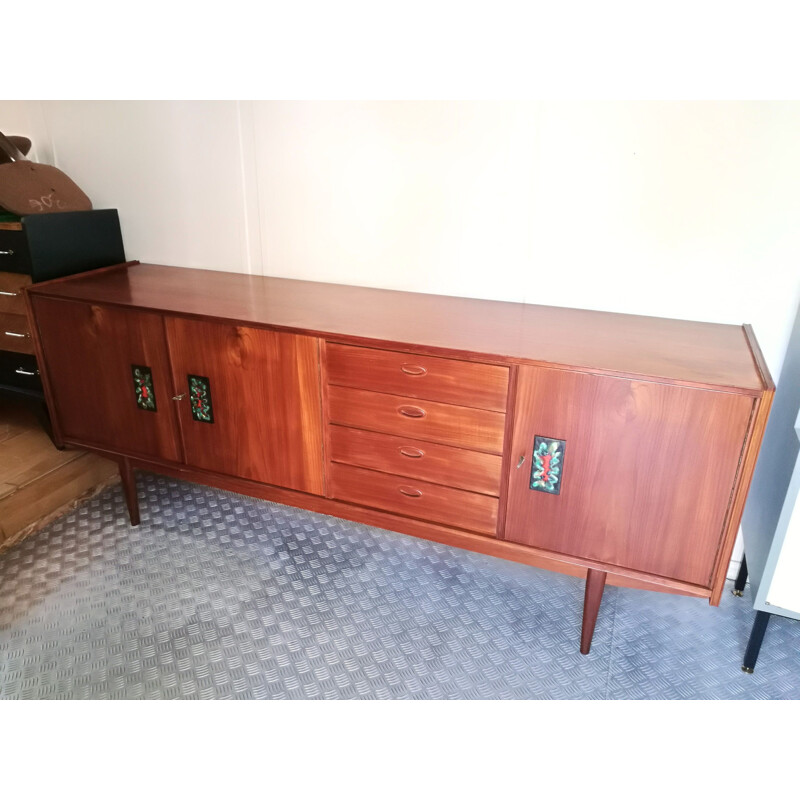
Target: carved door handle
{"type": "Point", "coordinates": [411, 452]}
{"type": "Point", "coordinates": [414, 412]}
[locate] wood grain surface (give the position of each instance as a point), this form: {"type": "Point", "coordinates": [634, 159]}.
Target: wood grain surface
{"type": "Point", "coordinates": [88, 351]}
{"type": "Point", "coordinates": [673, 350]}
{"type": "Point", "coordinates": [427, 461]}
{"type": "Point", "coordinates": [444, 379]}
{"type": "Point", "coordinates": [647, 475]}
{"type": "Point", "coordinates": [414, 498]}
{"type": "Point", "coordinates": [265, 391]}
{"type": "Point", "coordinates": [459, 426]}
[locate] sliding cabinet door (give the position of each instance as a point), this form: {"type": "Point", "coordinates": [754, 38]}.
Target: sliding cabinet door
{"type": "Point", "coordinates": [251, 405]}
{"type": "Point", "coordinates": [109, 373]}
{"type": "Point", "coordinates": [632, 473]}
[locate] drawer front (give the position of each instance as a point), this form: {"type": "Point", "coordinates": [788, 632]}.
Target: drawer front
{"type": "Point", "coordinates": [15, 333]}
{"type": "Point", "coordinates": [19, 371]}
{"type": "Point", "coordinates": [415, 498]}
{"type": "Point", "coordinates": [14, 253]}
{"type": "Point", "coordinates": [436, 463]}
{"type": "Point", "coordinates": [11, 299]}
{"type": "Point", "coordinates": [472, 428]}
{"type": "Point", "coordinates": [443, 379]}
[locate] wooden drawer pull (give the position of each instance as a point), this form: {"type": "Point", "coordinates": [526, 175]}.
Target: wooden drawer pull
{"type": "Point", "coordinates": [409, 492]}
{"type": "Point", "coordinates": [413, 369]}
{"type": "Point", "coordinates": [415, 412]}
{"type": "Point", "coordinates": [411, 452]}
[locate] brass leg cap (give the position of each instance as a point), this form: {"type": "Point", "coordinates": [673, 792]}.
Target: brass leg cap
{"type": "Point", "coordinates": [748, 670]}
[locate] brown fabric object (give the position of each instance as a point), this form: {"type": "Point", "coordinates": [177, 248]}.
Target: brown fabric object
{"type": "Point", "coordinates": [30, 188]}
{"type": "Point", "coordinates": [22, 143]}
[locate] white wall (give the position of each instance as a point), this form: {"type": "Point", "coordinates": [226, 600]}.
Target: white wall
{"type": "Point", "coordinates": [674, 209]}
{"type": "Point", "coordinates": [173, 169]}
{"type": "Point", "coordinates": [433, 197]}
{"type": "Point", "coordinates": [683, 210]}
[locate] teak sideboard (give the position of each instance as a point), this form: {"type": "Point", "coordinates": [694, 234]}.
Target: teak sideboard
{"type": "Point", "coordinates": [610, 447]}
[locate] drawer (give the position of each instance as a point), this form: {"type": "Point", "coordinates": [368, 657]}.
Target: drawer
{"type": "Point", "coordinates": [437, 463]}
{"type": "Point", "coordinates": [472, 428]}
{"type": "Point", "coordinates": [14, 253]}
{"type": "Point", "coordinates": [443, 379]}
{"type": "Point", "coordinates": [15, 333]}
{"type": "Point", "coordinates": [414, 498]}
{"type": "Point", "coordinates": [11, 299]}
{"type": "Point", "coordinates": [19, 371]}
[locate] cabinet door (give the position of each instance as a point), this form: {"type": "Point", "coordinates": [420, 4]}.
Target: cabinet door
{"type": "Point", "coordinates": [630, 473]}
{"type": "Point", "coordinates": [109, 372]}
{"type": "Point", "coordinates": [252, 407]}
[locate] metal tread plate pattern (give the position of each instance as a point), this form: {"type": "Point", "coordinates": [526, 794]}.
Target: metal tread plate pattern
{"type": "Point", "coordinates": [216, 595]}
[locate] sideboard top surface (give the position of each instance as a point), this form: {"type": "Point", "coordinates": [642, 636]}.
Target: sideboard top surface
{"type": "Point", "coordinates": [674, 350]}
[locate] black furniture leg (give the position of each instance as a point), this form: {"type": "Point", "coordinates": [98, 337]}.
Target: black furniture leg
{"type": "Point", "coordinates": [756, 637]}
{"type": "Point", "coordinates": [741, 579]}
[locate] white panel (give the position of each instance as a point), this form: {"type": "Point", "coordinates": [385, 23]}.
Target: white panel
{"type": "Point", "coordinates": [784, 589]}
{"type": "Point", "coordinates": [426, 196]}
{"type": "Point", "coordinates": [173, 169]}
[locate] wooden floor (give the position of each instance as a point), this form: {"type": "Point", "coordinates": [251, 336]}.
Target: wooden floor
{"type": "Point", "coordinates": [37, 481]}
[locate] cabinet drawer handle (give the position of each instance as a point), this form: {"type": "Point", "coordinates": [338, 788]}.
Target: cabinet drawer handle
{"type": "Point", "coordinates": [21, 371]}
{"type": "Point", "coordinates": [18, 335]}
{"type": "Point", "coordinates": [413, 369]}
{"type": "Point", "coordinates": [9, 294]}
{"type": "Point", "coordinates": [411, 452]}
{"type": "Point", "coordinates": [6, 252]}
{"type": "Point", "coordinates": [415, 412]}
{"type": "Point", "coordinates": [409, 492]}
{"type": "Point", "coordinates": [179, 396]}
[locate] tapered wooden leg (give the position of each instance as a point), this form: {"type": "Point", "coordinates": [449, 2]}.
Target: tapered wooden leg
{"type": "Point", "coordinates": [595, 583]}
{"type": "Point", "coordinates": [128, 477]}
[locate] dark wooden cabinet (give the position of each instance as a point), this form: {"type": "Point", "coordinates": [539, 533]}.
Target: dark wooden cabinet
{"type": "Point", "coordinates": [610, 447]}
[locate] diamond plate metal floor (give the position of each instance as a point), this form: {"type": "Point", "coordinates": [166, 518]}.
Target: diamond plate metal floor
{"type": "Point", "coordinates": [216, 595]}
